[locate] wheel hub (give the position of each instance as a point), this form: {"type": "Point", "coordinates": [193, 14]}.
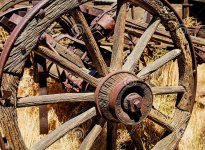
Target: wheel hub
{"type": "Point", "coordinates": [123, 97]}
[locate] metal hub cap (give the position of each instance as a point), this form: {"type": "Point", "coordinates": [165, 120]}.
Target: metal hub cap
{"type": "Point", "coordinates": [123, 97]}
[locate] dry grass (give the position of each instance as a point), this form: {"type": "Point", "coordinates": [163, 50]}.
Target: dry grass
{"type": "Point", "coordinates": [3, 37]}
{"type": "Point", "coordinates": [192, 22]}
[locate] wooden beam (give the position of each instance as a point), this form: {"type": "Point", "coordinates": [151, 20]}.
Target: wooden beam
{"type": "Point", "coordinates": [55, 98]}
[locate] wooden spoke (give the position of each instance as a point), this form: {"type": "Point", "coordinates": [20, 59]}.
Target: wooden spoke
{"type": "Point", "coordinates": [134, 57]}
{"type": "Point", "coordinates": [118, 44]}
{"type": "Point", "coordinates": [91, 44]}
{"type": "Point", "coordinates": [179, 123]}
{"type": "Point", "coordinates": [135, 137]}
{"type": "Point", "coordinates": [63, 129]}
{"type": "Point", "coordinates": [160, 119]}
{"type": "Point", "coordinates": [159, 63]}
{"type": "Point", "coordinates": [56, 98]}
{"type": "Point", "coordinates": [91, 137]}
{"type": "Point", "coordinates": [168, 90]}
{"type": "Point", "coordinates": [67, 65]}
{"type": "Point", "coordinates": [111, 135]}
{"type": "Point", "coordinates": [171, 141]}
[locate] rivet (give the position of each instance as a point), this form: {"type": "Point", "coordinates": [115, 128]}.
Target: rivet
{"type": "Point", "coordinates": [41, 14]}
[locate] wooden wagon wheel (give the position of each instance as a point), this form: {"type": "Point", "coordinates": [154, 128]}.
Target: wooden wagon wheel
{"type": "Point", "coordinates": [120, 95]}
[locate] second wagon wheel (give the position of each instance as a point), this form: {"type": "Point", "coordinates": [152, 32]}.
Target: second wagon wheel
{"type": "Point", "coordinates": [123, 94]}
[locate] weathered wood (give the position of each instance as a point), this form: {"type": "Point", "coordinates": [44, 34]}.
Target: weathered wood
{"type": "Point", "coordinates": [197, 40]}
{"type": "Point", "coordinates": [168, 90]}
{"type": "Point", "coordinates": [170, 142]}
{"type": "Point", "coordinates": [149, 69]}
{"type": "Point", "coordinates": [56, 98]}
{"type": "Point", "coordinates": [134, 57]}
{"type": "Point", "coordinates": [64, 52]}
{"type": "Point", "coordinates": [137, 28]}
{"type": "Point", "coordinates": [63, 129]}
{"type": "Point", "coordinates": [160, 119]}
{"type": "Point", "coordinates": [111, 135]}
{"type": "Point", "coordinates": [135, 137]}
{"type": "Point", "coordinates": [65, 64]}
{"type": "Point", "coordinates": [8, 115]}
{"type": "Point", "coordinates": [91, 137]}
{"type": "Point", "coordinates": [180, 118]}
{"type": "Point", "coordinates": [91, 44]}
{"type": "Point", "coordinates": [118, 43]}
{"type": "Point", "coordinates": [179, 122]}
{"type": "Point", "coordinates": [68, 55]}
{"type": "Point", "coordinates": [27, 41]}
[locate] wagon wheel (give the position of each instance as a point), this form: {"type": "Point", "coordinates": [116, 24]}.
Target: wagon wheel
{"type": "Point", "coordinates": [120, 95]}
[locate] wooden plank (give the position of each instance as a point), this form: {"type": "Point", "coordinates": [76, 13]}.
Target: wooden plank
{"type": "Point", "coordinates": [65, 64]}
{"type": "Point", "coordinates": [55, 98]}
{"type": "Point", "coordinates": [157, 64]}
{"type": "Point", "coordinates": [63, 129]}
{"type": "Point", "coordinates": [118, 43]}
{"type": "Point", "coordinates": [168, 90]}
{"type": "Point", "coordinates": [91, 44]}
{"type": "Point", "coordinates": [134, 57]}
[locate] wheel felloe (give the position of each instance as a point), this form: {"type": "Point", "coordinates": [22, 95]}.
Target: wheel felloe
{"type": "Point", "coordinates": [123, 97]}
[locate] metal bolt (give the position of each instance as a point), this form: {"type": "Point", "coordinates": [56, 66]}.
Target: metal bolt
{"type": "Point", "coordinates": [134, 102]}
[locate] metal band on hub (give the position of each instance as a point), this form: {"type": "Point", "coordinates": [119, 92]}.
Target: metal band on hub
{"type": "Point", "coordinates": [123, 97]}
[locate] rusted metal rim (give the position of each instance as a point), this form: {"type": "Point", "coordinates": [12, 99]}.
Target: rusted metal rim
{"type": "Point", "coordinates": [14, 35]}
